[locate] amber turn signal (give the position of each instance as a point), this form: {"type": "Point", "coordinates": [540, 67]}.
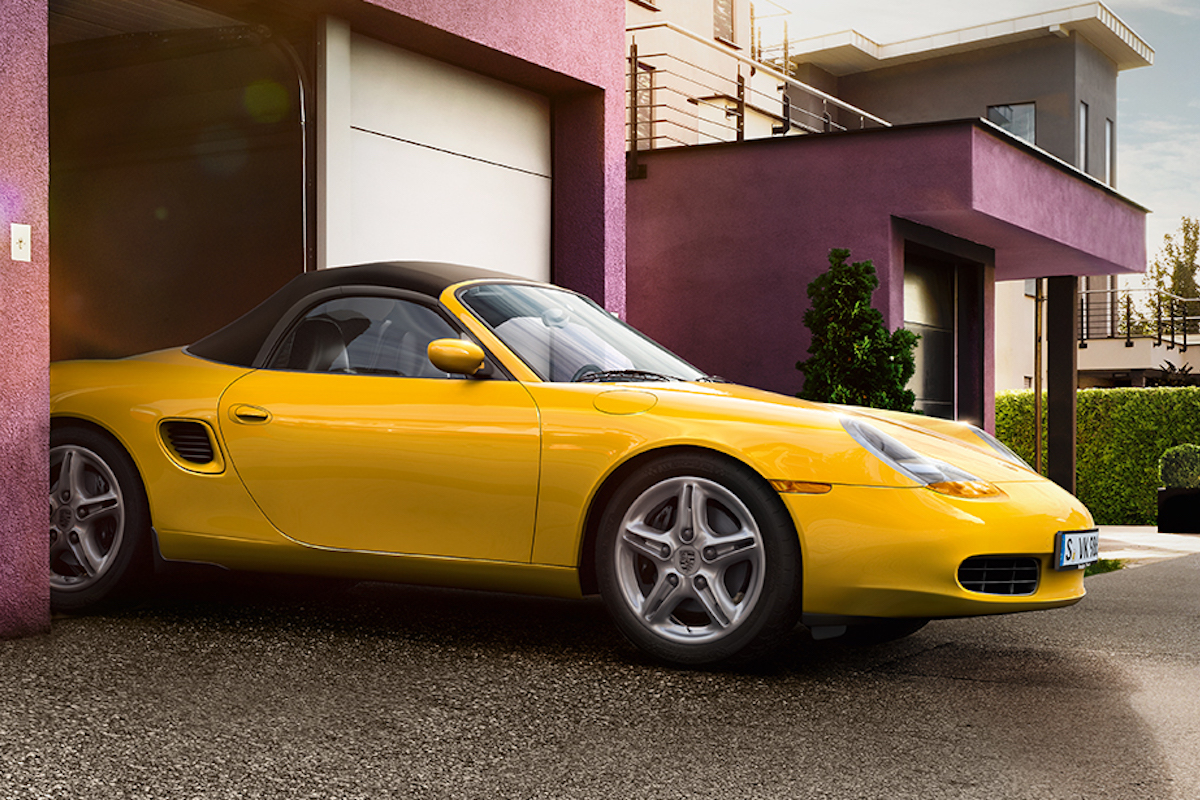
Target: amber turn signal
{"type": "Point", "coordinates": [967, 489]}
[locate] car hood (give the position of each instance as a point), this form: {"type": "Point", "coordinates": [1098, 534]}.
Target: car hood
{"type": "Point", "coordinates": [803, 440]}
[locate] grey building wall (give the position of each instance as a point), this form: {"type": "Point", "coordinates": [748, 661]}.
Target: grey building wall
{"type": "Point", "coordinates": [1056, 73]}
{"type": "Point", "coordinates": [1096, 85]}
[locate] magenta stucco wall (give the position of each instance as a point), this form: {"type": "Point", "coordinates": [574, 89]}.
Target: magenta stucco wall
{"type": "Point", "coordinates": [24, 324]}
{"type": "Point", "coordinates": [584, 41]}
{"type": "Point", "coordinates": [723, 239]}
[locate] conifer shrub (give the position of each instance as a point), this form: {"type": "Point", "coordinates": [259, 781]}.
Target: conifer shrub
{"type": "Point", "coordinates": [853, 359]}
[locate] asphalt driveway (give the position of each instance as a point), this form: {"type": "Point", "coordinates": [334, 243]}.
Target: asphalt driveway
{"type": "Point", "coordinates": [227, 691]}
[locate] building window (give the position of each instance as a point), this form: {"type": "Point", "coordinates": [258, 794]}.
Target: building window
{"type": "Point", "coordinates": [1083, 137]}
{"type": "Point", "coordinates": [1019, 120]}
{"type": "Point", "coordinates": [723, 20]}
{"type": "Point", "coordinates": [1110, 154]}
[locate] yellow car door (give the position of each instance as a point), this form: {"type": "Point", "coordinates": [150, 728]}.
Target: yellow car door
{"type": "Point", "coordinates": [374, 450]}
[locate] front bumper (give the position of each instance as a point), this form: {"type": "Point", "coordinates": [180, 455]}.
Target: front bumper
{"type": "Point", "coordinates": [887, 552]}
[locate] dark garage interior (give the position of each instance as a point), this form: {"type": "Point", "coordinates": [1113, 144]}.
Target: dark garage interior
{"type": "Point", "coordinates": [179, 172]}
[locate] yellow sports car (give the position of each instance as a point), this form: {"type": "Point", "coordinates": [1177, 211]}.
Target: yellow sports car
{"type": "Point", "coordinates": [444, 425]}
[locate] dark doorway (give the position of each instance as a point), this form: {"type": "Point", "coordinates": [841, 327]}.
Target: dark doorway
{"type": "Point", "coordinates": [177, 192]}
{"type": "Point", "coordinates": [943, 302]}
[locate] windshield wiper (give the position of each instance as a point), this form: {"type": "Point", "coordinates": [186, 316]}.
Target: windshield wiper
{"type": "Point", "coordinates": [711, 379]}
{"type": "Point", "coordinates": [622, 375]}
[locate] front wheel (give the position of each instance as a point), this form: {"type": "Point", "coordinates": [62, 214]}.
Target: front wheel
{"type": "Point", "coordinates": [99, 521]}
{"type": "Point", "coordinates": [698, 561]}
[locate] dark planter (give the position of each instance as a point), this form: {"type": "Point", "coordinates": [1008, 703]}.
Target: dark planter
{"type": "Point", "coordinates": [1179, 510]}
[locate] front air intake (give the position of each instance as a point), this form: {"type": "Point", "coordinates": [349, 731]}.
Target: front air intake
{"type": "Point", "coordinates": [189, 441]}
{"type": "Point", "coordinates": [1007, 575]}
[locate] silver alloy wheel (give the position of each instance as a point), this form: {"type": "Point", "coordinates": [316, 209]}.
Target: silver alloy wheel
{"type": "Point", "coordinates": [87, 517]}
{"type": "Point", "coordinates": [689, 560]}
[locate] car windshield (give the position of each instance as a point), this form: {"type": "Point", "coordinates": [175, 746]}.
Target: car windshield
{"type": "Point", "coordinates": [563, 336]}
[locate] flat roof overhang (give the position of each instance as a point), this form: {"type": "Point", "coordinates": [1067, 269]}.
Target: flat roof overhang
{"type": "Point", "coordinates": [1039, 214]}
{"type": "Point", "coordinates": [1036, 214]}
{"type": "Point", "coordinates": [848, 52]}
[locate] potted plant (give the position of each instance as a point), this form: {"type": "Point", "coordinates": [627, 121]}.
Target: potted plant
{"type": "Point", "coordinates": [1179, 497]}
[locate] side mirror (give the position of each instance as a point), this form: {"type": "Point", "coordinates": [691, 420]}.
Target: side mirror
{"type": "Point", "coordinates": [456, 356]}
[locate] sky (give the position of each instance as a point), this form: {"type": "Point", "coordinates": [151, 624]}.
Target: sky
{"type": "Point", "coordinates": [1158, 107]}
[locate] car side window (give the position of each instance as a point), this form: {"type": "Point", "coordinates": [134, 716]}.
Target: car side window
{"type": "Point", "coordinates": [364, 336]}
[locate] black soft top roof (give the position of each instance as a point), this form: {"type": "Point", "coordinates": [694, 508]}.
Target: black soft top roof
{"type": "Point", "coordinates": [239, 342]}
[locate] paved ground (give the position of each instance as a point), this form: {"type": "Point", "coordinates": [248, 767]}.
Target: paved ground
{"type": "Point", "coordinates": [385, 691]}
{"type": "Point", "coordinates": [1136, 545]}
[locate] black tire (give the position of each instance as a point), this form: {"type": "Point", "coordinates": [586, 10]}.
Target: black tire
{"type": "Point", "coordinates": [728, 592]}
{"type": "Point", "coordinates": [880, 632]}
{"type": "Point", "coordinates": [99, 521]}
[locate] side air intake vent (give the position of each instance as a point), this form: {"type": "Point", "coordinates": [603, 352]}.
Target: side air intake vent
{"type": "Point", "coordinates": [1008, 575]}
{"type": "Point", "coordinates": [189, 441]}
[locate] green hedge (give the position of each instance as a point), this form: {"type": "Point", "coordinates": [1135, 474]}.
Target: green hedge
{"type": "Point", "coordinates": [1122, 433]}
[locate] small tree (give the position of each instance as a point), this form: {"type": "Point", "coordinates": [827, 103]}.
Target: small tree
{"type": "Point", "coordinates": [1175, 271]}
{"type": "Point", "coordinates": [852, 358]}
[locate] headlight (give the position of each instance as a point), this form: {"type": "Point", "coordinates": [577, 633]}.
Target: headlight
{"type": "Point", "coordinates": [932, 474]}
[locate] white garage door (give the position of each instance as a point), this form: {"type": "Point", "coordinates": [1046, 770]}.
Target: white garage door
{"type": "Point", "coordinates": [420, 160]}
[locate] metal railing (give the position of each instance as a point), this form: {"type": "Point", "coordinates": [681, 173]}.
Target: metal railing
{"type": "Point", "coordinates": [683, 89]}
{"type": "Point", "coordinates": [1131, 314]}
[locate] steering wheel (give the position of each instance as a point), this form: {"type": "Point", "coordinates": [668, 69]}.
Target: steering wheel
{"type": "Point", "coordinates": [584, 370]}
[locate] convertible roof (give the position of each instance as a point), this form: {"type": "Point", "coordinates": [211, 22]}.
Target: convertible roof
{"type": "Point", "coordinates": [240, 341]}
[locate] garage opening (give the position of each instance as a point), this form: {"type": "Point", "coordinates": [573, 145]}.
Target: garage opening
{"type": "Point", "coordinates": [177, 191]}
{"type": "Point", "coordinates": [199, 162]}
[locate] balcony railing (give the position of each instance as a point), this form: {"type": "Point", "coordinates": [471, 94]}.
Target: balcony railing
{"type": "Point", "coordinates": [683, 89]}
{"type": "Point", "coordinates": [1129, 314]}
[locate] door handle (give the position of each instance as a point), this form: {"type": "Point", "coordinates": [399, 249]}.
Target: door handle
{"type": "Point", "coordinates": [249, 415]}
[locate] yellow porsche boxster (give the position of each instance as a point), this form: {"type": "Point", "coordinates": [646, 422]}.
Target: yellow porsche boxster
{"type": "Point", "coordinates": [449, 426]}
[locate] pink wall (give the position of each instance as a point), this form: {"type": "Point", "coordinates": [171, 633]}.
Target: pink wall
{"type": "Point", "coordinates": [724, 239]}
{"type": "Point", "coordinates": [24, 319]}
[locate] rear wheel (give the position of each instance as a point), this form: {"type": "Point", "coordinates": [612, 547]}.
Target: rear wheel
{"type": "Point", "coordinates": [698, 561]}
{"type": "Point", "coordinates": [99, 521]}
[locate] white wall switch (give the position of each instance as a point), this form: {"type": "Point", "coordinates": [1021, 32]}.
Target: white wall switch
{"type": "Point", "coordinates": [21, 246]}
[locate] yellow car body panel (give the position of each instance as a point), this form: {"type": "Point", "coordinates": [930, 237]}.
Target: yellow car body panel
{"type": "Point", "coordinates": [114, 396]}
{"type": "Point", "coordinates": [911, 540]}
{"type": "Point", "coordinates": [392, 465]}
{"type": "Point", "coordinates": [491, 483]}
{"type": "Point", "coordinates": [212, 519]}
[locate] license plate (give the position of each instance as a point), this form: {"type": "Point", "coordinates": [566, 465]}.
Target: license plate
{"type": "Point", "coordinates": [1076, 549]}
